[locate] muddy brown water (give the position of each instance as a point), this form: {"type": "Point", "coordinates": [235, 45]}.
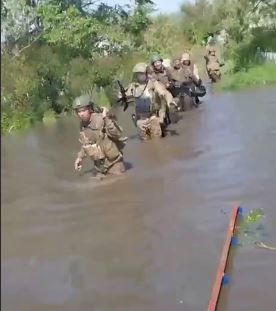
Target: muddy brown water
{"type": "Point", "coordinates": [149, 241]}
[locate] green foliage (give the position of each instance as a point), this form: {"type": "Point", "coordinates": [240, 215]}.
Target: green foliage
{"type": "Point", "coordinates": [67, 27]}
{"type": "Point", "coordinates": [56, 50]}
{"type": "Point", "coordinates": [166, 37]}
{"type": "Point", "coordinates": [198, 20]}
{"type": "Point", "coordinates": [16, 18]}
{"type": "Point", "coordinates": [14, 121]}
{"type": "Point", "coordinates": [252, 227]}
{"type": "Point", "coordinates": [254, 76]}
{"type": "Point", "coordinates": [49, 117]}
{"type": "Point", "coordinates": [139, 20]}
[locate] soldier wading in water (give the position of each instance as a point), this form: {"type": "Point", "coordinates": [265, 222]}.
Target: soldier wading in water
{"type": "Point", "coordinates": [152, 100]}
{"type": "Point", "coordinates": [100, 137]}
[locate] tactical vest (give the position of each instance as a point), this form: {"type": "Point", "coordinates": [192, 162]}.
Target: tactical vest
{"type": "Point", "coordinates": [94, 134]}
{"type": "Point", "coordinates": [163, 77]}
{"type": "Point", "coordinates": [189, 68]}
{"type": "Point", "coordinates": [213, 62]}
{"type": "Point", "coordinates": [143, 103]}
{"type": "Point", "coordinates": [94, 130]}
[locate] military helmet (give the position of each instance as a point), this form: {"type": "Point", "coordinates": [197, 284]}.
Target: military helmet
{"type": "Point", "coordinates": [175, 58]}
{"type": "Point", "coordinates": [82, 101]}
{"type": "Point", "coordinates": [185, 56]}
{"type": "Point", "coordinates": [155, 58]}
{"type": "Point", "coordinates": [212, 49]}
{"type": "Point", "coordinates": [140, 67]}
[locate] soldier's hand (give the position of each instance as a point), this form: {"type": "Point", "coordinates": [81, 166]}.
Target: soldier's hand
{"type": "Point", "coordinates": [119, 95]}
{"type": "Point", "coordinates": [78, 164]}
{"type": "Point", "coordinates": [105, 111]}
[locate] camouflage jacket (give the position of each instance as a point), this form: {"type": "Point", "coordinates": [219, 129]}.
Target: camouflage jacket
{"type": "Point", "coordinates": [212, 62]}
{"type": "Point", "coordinates": [181, 75]}
{"type": "Point", "coordinates": [102, 133]}
{"type": "Point", "coordinates": [157, 90]}
{"type": "Point", "coordinates": [161, 76]}
{"type": "Point", "coordinates": [192, 69]}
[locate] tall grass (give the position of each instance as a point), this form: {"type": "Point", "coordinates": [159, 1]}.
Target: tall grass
{"type": "Point", "coordinates": [257, 75]}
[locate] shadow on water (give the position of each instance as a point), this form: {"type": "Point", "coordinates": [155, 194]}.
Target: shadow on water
{"type": "Point", "coordinates": [150, 240]}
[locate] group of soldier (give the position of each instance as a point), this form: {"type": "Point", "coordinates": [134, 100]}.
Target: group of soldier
{"type": "Point", "coordinates": [102, 138]}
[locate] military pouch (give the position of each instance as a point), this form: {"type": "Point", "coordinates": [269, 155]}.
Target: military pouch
{"type": "Point", "coordinates": [109, 149]}
{"type": "Point", "coordinates": [94, 151]}
{"type": "Point", "coordinates": [99, 166]}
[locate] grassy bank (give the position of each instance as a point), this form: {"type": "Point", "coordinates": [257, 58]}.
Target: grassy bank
{"type": "Point", "coordinates": [256, 75]}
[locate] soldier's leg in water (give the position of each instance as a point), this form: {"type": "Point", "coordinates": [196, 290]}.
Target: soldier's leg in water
{"type": "Point", "coordinates": [143, 127]}
{"type": "Point", "coordinates": [96, 155]}
{"type": "Point", "coordinates": [162, 112]}
{"type": "Point", "coordinates": [189, 102]}
{"type": "Point", "coordinates": [155, 127]}
{"type": "Point", "coordinates": [117, 169]}
{"type": "Point", "coordinates": [173, 111]}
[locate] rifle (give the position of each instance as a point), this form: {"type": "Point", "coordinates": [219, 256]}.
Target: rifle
{"type": "Point", "coordinates": [123, 99]}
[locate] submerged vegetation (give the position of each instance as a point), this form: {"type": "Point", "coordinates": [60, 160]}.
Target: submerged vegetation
{"type": "Point", "coordinates": [55, 49]}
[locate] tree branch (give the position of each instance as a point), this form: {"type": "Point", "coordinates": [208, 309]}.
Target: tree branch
{"type": "Point", "coordinates": [26, 47]}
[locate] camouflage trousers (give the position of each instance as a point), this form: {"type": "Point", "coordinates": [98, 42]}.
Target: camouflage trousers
{"type": "Point", "coordinates": [117, 169]}
{"type": "Point", "coordinates": [106, 165]}
{"type": "Point", "coordinates": [149, 128]}
{"type": "Point", "coordinates": [214, 75]}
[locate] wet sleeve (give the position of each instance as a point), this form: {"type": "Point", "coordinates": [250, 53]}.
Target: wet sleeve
{"type": "Point", "coordinates": [161, 91]}
{"type": "Point", "coordinates": [81, 154]}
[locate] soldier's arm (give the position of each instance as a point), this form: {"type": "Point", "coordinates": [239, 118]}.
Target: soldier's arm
{"type": "Point", "coordinates": [221, 63]}
{"type": "Point", "coordinates": [81, 154]}
{"type": "Point", "coordinates": [162, 92]}
{"type": "Point", "coordinates": [195, 71]}
{"type": "Point", "coordinates": [78, 162]}
{"type": "Point", "coordinates": [151, 74]}
{"type": "Point", "coordinates": [111, 128]}
{"type": "Point", "coordinates": [169, 74]}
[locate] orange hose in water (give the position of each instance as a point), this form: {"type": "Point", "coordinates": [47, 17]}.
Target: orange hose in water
{"type": "Point", "coordinates": [223, 260]}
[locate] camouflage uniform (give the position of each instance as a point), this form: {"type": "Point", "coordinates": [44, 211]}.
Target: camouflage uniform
{"type": "Point", "coordinates": [151, 101]}
{"type": "Point", "coordinates": [180, 75]}
{"type": "Point", "coordinates": [212, 63]}
{"type": "Point", "coordinates": [102, 141]}
{"type": "Point", "coordinates": [192, 68]}
{"type": "Point", "coordinates": [161, 75]}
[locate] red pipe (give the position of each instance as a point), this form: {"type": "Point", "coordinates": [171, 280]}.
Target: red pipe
{"type": "Point", "coordinates": [223, 260]}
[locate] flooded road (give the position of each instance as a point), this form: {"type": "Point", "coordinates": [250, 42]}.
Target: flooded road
{"type": "Point", "coordinates": [151, 240]}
